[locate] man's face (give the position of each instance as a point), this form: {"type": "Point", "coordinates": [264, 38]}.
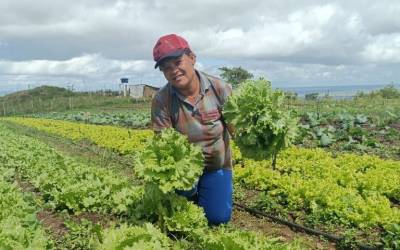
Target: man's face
{"type": "Point", "coordinates": [179, 71]}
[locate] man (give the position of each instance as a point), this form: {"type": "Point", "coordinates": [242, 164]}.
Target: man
{"type": "Point", "coordinates": [191, 103]}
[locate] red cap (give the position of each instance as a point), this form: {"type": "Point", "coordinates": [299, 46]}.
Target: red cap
{"type": "Point", "coordinates": [169, 46]}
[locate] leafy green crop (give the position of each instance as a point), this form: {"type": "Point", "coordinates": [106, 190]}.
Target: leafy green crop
{"type": "Point", "coordinates": [172, 213]}
{"type": "Point", "coordinates": [263, 126]}
{"type": "Point", "coordinates": [146, 237]}
{"type": "Point", "coordinates": [67, 184]}
{"type": "Point", "coordinates": [133, 119]}
{"type": "Point", "coordinates": [64, 182]}
{"type": "Point", "coordinates": [350, 191]}
{"type": "Point", "coordinates": [225, 238]}
{"type": "Point", "coordinates": [170, 161]}
{"type": "Point", "coordinates": [19, 228]}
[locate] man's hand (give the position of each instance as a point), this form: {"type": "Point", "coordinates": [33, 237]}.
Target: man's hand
{"type": "Point", "coordinates": [231, 130]}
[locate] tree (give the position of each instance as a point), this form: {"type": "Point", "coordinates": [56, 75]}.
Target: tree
{"type": "Point", "coordinates": [292, 96]}
{"type": "Point", "coordinates": [311, 96]}
{"type": "Point", "coordinates": [235, 75]}
{"type": "Point", "coordinates": [389, 92]}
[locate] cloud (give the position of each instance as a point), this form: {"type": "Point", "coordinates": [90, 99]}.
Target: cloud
{"type": "Point", "coordinates": [128, 29]}
{"type": "Point", "coordinates": [86, 71]}
{"type": "Point", "coordinates": [273, 38]}
{"type": "Point", "coordinates": [293, 41]}
{"type": "Point", "coordinates": [383, 49]}
{"type": "Point", "coordinates": [85, 65]}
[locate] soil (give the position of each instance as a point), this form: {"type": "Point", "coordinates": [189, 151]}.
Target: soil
{"type": "Point", "coordinates": [54, 222]}
{"type": "Point", "coordinates": [395, 125]}
{"type": "Point", "coordinates": [247, 221]}
{"type": "Point", "coordinates": [105, 220]}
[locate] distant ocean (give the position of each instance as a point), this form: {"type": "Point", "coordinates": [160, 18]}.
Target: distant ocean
{"type": "Point", "coordinates": [4, 93]}
{"type": "Point", "coordinates": [343, 91]}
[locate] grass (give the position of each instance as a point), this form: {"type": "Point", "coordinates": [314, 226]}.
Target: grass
{"type": "Point", "coordinates": [53, 99]}
{"type": "Point", "coordinates": [356, 105]}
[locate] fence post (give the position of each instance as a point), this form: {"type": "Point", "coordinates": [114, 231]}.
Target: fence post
{"type": "Point", "coordinates": [4, 108]}
{"type": "Point", "coordinates": [70, 103]}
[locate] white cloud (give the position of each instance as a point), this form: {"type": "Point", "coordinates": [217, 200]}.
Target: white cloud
{"type": "Point", "coordinates": [383, 49]}
{"type": "Point", "coordinates": [85, 65]}
{"type": "Point", "coordinates": [321, 33]}
{"type": "Point", "coordinates": [292, 41]}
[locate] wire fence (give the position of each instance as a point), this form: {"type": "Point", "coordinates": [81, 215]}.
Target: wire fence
{"type": "Point", "coordinates": [369, 106]}
{"type": "Point", "coordinates": [354, 105]}
{"type": "Point", "coordinates": [61, 104]}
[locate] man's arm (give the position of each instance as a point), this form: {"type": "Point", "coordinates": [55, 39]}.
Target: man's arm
{"type": "Point", "coordinates": [231, 130]}
{"type": "Point", "coordinates": [225, 94]}
{"type": "Point", "coordinates": [160, 117]}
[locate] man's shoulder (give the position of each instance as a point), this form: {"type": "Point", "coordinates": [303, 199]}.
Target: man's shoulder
{"type": "Point", "coordinates": [213, 78]}
{"type": "Point", "coordinates": [163, 94]}
{"type": "Point", "coordinates": [217, 82]}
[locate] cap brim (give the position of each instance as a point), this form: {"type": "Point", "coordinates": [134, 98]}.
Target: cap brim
{"type": "Point", "coordinates": [174, 54]}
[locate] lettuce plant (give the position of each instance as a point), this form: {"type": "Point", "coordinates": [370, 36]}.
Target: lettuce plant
{"type": "Point", "coordinates": [263, 125]}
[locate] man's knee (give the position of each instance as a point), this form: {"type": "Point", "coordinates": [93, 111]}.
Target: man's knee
{"type": "Point", "coordinates": [215, 196]}
{"type": "Point", "coordinates": [216, 217]}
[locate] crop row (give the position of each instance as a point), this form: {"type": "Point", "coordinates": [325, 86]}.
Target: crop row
{"type": "Point", "coordinates": [362, 179]}
{"type": "Point", "coordinates": [66, 184]}
{"type": "Point", "coordinates": [347, 132]}
{"type": "Point", "coordinates": [338, 131]}
{"type": "Point", "coordinates": [19, 228]}
{"type": "Point", "coordinates": [121, 140]}
{"type": "Point", "coordinates": [311, 184]}
{"type": "Point", "coordinates": [317, 188]}
{"type": "Point", "coordinates": [134, 119]}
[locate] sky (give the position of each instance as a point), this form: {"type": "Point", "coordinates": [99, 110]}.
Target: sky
{"type": "Point", "coordinates": [91, 44]}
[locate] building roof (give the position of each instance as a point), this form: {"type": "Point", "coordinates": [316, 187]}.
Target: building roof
{"type": "Point", "coordinates": [143, 84]}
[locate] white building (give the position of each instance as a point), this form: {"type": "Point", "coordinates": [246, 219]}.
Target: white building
{"type": "Point", "coordinates": [140, 91]}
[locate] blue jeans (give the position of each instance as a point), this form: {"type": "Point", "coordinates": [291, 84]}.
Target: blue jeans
{"type": "Point", "coordinates": [214, 194]}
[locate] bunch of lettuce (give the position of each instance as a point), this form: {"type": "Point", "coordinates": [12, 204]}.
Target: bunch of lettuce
{"type": "Point", "coordinates": [228, 237]}
{"type": "Point", "coordinates": [145, 237]}
{"type": "Point", "coordinates": [170, 161]}
{"type": "Point", "coordinates": [170, 212]}
{"type": "Point", "coordinates": [263, 125]}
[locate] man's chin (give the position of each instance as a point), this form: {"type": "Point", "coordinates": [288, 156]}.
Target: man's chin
{"type": "Point", "coordinates": [180, 84]}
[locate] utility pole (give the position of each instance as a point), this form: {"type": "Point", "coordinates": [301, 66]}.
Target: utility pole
{"type": "Point", "coordinates": [70, 86]}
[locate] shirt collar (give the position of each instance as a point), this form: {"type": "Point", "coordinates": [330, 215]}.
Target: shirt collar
{"type": "Point", "coordinates": [204, 82]}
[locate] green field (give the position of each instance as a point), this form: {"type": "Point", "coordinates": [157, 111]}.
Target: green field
{"type": "Point", "coordinates": [69, 161]}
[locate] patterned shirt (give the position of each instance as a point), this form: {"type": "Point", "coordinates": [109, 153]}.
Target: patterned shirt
{"type": "Point", "coordinates": [202, 122]}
